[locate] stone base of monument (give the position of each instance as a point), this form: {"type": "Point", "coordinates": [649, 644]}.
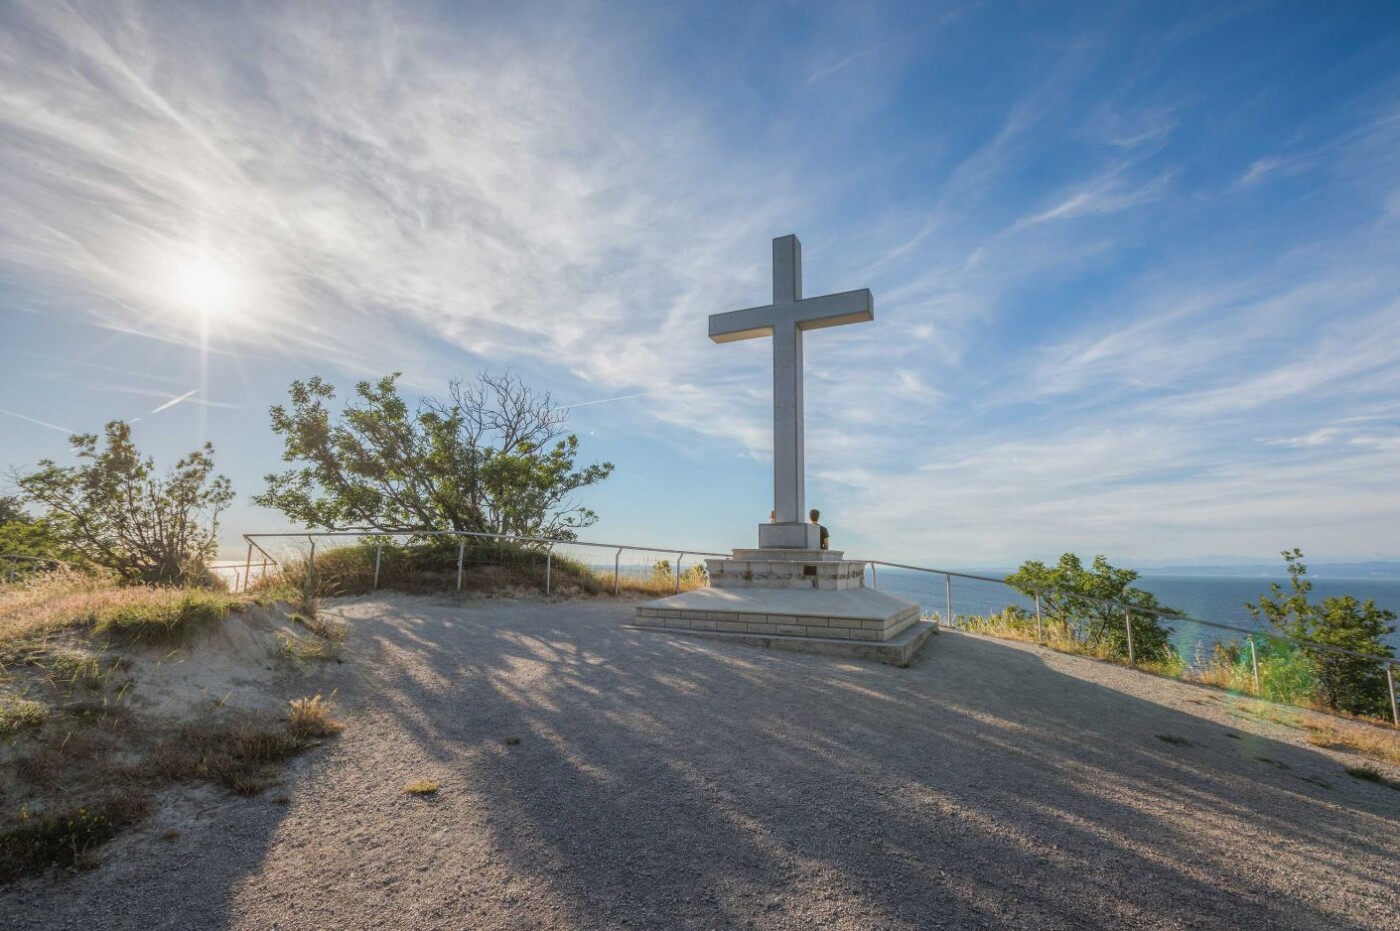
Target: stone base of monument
{"type": "Point", "coordinates": [810, 601]}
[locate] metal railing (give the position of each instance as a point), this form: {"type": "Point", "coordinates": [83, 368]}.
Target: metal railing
{"type": "Point", "coordinates": [1129, 610]}
{"type": "Point", "coordinates": [465, 535]}
{"type": "Point", "coordinates": [549, 545]}
{"type": "Point", "coordinates": [12, 559]}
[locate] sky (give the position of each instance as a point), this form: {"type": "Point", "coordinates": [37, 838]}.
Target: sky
{"type": "Point", "coordinates": [1136, 267]}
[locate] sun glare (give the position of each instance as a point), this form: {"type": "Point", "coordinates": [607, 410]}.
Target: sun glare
{"type": "Point", "coordinates": [206, 288]}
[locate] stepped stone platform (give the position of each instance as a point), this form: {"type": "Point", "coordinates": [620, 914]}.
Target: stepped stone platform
{"type": "Point", "coordinates": [810, 601]}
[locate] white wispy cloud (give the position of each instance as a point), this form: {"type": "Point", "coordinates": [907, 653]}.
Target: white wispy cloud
{"type": "Point", "coordinates": [37, 422]}
{"type": "Point", "coordinates": [371, 181]}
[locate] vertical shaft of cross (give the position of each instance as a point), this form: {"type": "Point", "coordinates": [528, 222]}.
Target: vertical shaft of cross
{"type": "Point", "coordinates": [788, 467]}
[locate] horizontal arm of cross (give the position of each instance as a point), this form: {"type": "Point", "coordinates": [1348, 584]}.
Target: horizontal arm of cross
{"type": "Point", "coordinates": [812, 313]}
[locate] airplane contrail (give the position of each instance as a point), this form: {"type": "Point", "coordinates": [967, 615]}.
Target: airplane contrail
{"type": "Point", "coordinates": [625, 397]}
{"type": "Point", "coordinates": [173, 401]}
{"type": "Point", "coordinates": [42, 423]}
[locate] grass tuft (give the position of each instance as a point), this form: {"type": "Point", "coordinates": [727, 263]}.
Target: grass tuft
{"type": "Point", "coordinates": [1371, 774]}
{"type": "Point", "coordinates": [163, 619]}
{"type": "Point", "coordinates": [421, 787]}
{"type": "Point", "coordinates": [1369, 741]}
{"type": "Point", "coordinates": [304, 649]}
{"type": "Point", "coordinates": [311, 717]}
{"type": "Point", "coordinates": [239, 757]}
{"type": "Point", "coordinates": [18, 713]}
{"type": "Point", "coordinates": [66, 838]}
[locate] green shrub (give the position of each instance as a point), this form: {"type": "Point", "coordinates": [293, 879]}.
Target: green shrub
{"type": "Point", "coordinates": [1354, 684]}
{"type": "Point", "coordinates": [1073, 597]}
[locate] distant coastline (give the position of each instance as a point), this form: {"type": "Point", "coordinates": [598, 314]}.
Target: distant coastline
{"type": "Point", "coordinates": [1273, 571]}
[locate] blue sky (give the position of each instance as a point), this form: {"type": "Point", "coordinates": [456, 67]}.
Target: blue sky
{"type": "Point", "coordinates": [1135, 267]}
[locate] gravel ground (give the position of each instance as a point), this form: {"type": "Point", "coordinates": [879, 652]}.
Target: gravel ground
{"type": "Point", "coordinates": [593, 777]}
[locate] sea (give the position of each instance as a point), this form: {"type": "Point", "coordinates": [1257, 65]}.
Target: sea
{"type": "Point", "coordinates": [1220, 599]}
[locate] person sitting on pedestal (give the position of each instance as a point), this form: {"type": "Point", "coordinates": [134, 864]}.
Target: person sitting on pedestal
{"type": "Point", "coordinates": [815, 515]}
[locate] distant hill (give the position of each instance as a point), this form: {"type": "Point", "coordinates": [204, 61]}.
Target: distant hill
{"type": "Point", "coordinates": [1275, 570]}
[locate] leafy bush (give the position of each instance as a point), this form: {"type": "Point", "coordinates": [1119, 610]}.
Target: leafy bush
{"type": "Point", "coordinates": [1072, 597]}
{"type": "Point", "coordinates": [116, 512]}
{"type": "Point", "coordinates": [492, 458]}
{"type": "Point", "coordinates": [1354, 684]}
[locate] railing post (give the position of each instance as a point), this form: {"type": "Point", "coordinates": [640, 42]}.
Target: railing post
{"type": "Point", "coordinates": [617, 571]}
{"type": "Point", "coordinates": [548, 567]}
{"type": "Point", "coordinates": [247, 567]}
{"type": "Point", "coordinates": [874, 579]}
{"type": "Point", "coordinates": [461, 553]}
{"type": "Point", "coordinates": [1390, 681]}
{"type": "Point", "coordinates": [948, 584]}
{"type": "Point", "coordinates": [1039, 623]}
{"type": "Point", "coordinates": [1128, 622]}
{"type": "Point", "coordinates": [679, 557]}
{"type": "Point", "coordinates": [1254, 661]}
{"type": "Point", "coordinates": [311, 564]}
{"type": "Point", "coordinates": [378, 554]}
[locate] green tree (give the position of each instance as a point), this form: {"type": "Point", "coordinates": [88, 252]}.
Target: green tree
{"type": "Point", "coordinates": [12, 511]}
{"type": "Point", "coordinates": [492, 458]}
{"type": "Point", "coordinates": [1074, 597]}
{"type": "Point", "coordinates": [113, 510]}
{"type": "Point", "coordinates": [1347, 683]}
{"type": "Point", "coordinates": [24, 535]}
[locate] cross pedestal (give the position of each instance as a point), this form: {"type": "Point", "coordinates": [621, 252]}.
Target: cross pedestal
{"type": "Point", "coordinates": [789, 593]}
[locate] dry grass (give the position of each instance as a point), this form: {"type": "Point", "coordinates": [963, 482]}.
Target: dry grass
{"type": "Point", "coordinates": [239, 756]}
{"type": "Point", "coordinates": [61, 601]}
{"type": "Point", "coordinates": [304, 649]}
{"type": "Point", "coordinates": [311, 717]}
{"type": "Point", "coordinates": [1365, 739]}
{"type": "Point", "coordinates": [327, 629]}
{"type": "Point", "coordinates": [67, 837]}
{"type": "Point", "coordinates": [421, 787]}
{"type": "Point", "coordinates": [87, 763]}
{"type": "Point", "coordinates": [17, 713]}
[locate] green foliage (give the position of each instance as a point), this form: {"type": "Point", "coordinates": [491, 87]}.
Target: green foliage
{"type": "Point", "coordinates": [24, 535]}
{"type": "Point", "coordinates": [1286, 673]}
{"type": "Point", "coordinates": [36, 538]}
{"type": "Point", "coordinates": [692, 576]}
{"type": "Point", "coordinates": [492, 458]}
{"type": "Point", "coordinates": [12, 511]}
{"type": "Point", "coordinates": [1353, 684]}
{"type": "Point", "coordinates": [1072, 597]}
{"type": "Point", "coordinates": [113, 509]}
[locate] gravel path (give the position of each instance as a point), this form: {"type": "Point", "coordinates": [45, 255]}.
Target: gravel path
{"type": "Point", "coordinates": [594, 777]}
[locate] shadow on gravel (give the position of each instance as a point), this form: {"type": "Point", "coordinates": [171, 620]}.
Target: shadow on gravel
{"type": "Point", "coordinates": [666, 782]}
{"type": "Point", "coordinates": [595, 777]}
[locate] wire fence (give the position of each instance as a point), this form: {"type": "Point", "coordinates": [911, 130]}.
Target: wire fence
{"type": "Point", "coordinates": [556, 566]}
{"type": "Point", "coordinates": [13, 565]}
{"type": "Point", "coordinates": [975, 599]}
{"type": "Point", "coordinates": [479, 562]}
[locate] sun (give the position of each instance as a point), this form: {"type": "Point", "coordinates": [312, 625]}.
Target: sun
{"type": "Point", "coordinates": [207, 288]}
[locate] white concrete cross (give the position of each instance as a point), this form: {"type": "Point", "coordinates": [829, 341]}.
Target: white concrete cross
{"type": "Point", "coordinates": [785, 320]}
